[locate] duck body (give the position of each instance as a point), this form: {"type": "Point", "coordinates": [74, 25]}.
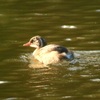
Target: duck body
{"type": "Point", "coordinates": [48, 54]}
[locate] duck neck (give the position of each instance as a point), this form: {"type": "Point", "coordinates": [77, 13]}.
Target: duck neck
{"type": "Point", "coordinates": [36, 51]}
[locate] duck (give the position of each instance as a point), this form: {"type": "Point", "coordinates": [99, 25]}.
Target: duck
{"type": "Point", "coordinates": [48, 54]}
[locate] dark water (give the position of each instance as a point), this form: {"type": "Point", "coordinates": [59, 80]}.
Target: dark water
{"type": "Point", "coordinates": [72, 23]}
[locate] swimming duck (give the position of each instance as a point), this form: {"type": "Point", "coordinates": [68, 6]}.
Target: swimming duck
{"type": "Point", "coordinates": [48, 54]}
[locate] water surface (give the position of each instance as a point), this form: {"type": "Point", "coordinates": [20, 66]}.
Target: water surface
{"type": "Point", "coordinates": [73, 24]}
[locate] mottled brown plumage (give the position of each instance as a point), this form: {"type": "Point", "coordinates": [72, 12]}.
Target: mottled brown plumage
{"type": "Point", "coordinates": [48, 54]}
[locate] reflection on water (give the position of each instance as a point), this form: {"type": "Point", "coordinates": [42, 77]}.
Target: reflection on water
{"type": "Point", "coordinates": [73, 24]}
{"type": "Point", "coordinates": [63, 81]}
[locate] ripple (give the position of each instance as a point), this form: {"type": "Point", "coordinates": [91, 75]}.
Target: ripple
{"type": "Point", "coordinates": [3, 82]}
{"type": "Point", "coordinates": [40, 14]}
{"type": "Point", "coordinates": [76, 68]}
{"type": "Point", "coordinates": [95, 80]}
{"type": "Point", "coordinates": [1, 14]}
{"type": "Point", "coordinates": [24, 57]}
{"type": "Point", "coordinates": [98, 10]}
{"type": "Point", "coordinates": [65, 97]}
{"type": "Point", "coordinates": [13, 98]}
{"type": "Point", "coordinates": [68, 26]}
{"type": "Point", "coordinates": [87, 57]}
{"type": "Point", "coordinates": [68, 39]}
{"type": "Point", "coordinates": [88, 76]}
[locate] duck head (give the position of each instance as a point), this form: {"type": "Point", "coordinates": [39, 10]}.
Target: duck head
{"type": "Point", "coordinates": [36, 42]}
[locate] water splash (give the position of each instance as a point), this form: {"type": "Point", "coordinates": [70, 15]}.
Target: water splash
{"type": "Point", "coordinates": [82, 58]}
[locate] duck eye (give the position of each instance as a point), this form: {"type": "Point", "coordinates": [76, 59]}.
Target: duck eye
{"type": "Point", "coordinates": [32, 41]}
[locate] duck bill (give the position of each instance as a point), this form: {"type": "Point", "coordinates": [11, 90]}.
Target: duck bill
{"type": "Point", "coordinates": [27, 44]}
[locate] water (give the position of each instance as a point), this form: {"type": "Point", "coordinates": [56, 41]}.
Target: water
{"type": "Point", "coordinates": [73, 24]}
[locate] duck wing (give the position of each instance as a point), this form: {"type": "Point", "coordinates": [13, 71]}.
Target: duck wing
{"type": "Point", "coordinates": [53, 47]}
{"type": "Point", "coordinates": [57, 48]}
